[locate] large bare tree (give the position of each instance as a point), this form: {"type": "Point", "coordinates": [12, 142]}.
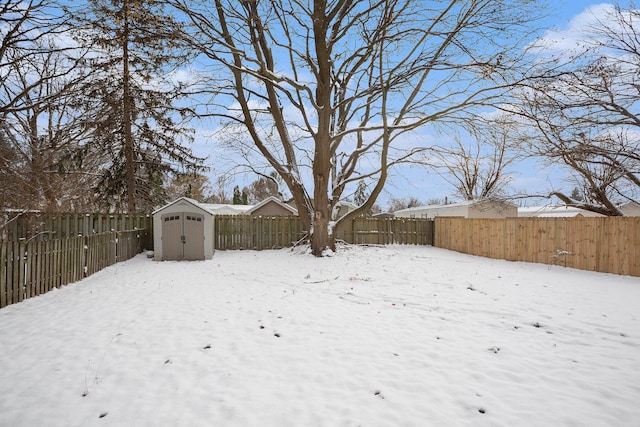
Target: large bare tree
{"type": "Point", "coordinates": [583, 113]}
{"type": "Point", "coordinates": [326, 90]}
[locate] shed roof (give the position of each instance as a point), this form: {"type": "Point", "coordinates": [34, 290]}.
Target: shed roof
{"type": "Point", "coordinates": [185, 199]}
{"type": "Point", "coordinates": [227, 209]}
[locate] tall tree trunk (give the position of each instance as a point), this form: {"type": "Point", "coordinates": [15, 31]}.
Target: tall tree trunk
{"type": "Point", "coordinates": [130, 176]}
{"type": "Point", "coordinates": [322, 237]}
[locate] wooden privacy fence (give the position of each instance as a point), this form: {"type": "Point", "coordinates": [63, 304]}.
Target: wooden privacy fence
{"type": "Point", "coordinates": [46, 226]}
{"type": "Point", "coordinates": [30, 268]}
{"type": "Point", "coordinates": [606, 244]}
{"type": "Point", "coordinates": [256, 232]}
{"type": "Point", "coordinates": [248, 232]}
{"type": "Point", "coordinates": [386, 231]}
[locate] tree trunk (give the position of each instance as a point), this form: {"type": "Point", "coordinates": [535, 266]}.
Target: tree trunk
{"type": "Point", "coordinates": [322, 238]}
{"type": "Point", "coordinates": [130, 176]}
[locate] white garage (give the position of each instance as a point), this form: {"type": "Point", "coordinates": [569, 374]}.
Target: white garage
{"type": "Point", "coordinates": [183, 230]}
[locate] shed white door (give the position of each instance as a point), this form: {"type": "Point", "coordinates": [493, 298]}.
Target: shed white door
{"type": "Point", "coordinates": [182, 236]}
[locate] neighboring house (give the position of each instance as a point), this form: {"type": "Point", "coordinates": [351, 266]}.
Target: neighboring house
{"type": "Point", "coordinates": [466, 209]}
{"type": "Point", "coordinates": [383, 215]}
{"type": "Point", "coordinates": [343, 208]}
{"type": "Point", "coordinates": [272, 206]}
{"type": "Point", "coordinates": [630, 209]}
{"type": "Point", "coordinates": [555, 211]}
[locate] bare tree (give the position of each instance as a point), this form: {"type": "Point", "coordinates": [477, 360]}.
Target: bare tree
{"type": "Point", "coordinates": [45, 134]}
{"type": "Point", "coordinates": [26, 31]}
{"type": "Point", "coordinates": [193, 185]}
{"type": "Point", "coordinates": [260, 189]}
{"type": "Point", "coordinates": [397, 204]}
{"type": "Point", "coordinates": [324, 90]}
{"type": "Point", "coordinates": [478, 166]}
{"type": "Point", "coordinates": [40, 125]}
{"type": "Point", "coordinates": [582, 112]}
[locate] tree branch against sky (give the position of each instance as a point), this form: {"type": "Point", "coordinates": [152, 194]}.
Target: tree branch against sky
{"type": "Point", "coordinates": [325, 90]}
{"type": "Point", "coordinates": [39, 123]}
{"type": "Point", "coordinates": [478, 168]}
{"type": "Point", "coordinates": [583, 110]}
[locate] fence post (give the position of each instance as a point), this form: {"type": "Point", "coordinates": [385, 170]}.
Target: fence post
{"type": "Point", "coordinates": [3, 274]}
{"type": "Point", "coordinates": [18, 273]}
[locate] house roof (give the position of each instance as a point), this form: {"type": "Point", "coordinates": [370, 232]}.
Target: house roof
{"type": "Point", "coordinates": [464, 203]}
{"type": "Point", "coordinates": [550, 211]}
{"type": "Point", "coordinates": [272, 199]}
{"type": "Point", "coordinates": [630, 208]}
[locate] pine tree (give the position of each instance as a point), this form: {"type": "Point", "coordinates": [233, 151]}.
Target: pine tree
{"type": "Point", "coordinates": [237, 196]}
{"type": "Point", "coordinates": [361, 195]}
{"type": "Point", "coordinates": [131, 101]}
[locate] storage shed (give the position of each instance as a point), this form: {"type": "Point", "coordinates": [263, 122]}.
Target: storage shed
{"type": "Point", "coordinates": [183, 230]}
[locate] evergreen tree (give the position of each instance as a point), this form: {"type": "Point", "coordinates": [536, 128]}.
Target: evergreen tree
{"type": "Point", "coordinates": [131, 100]}
{"type": "Point", "coordinates": [361, 195]}
{"type": "Point", "coordinates": [576, 194]}
{"type": "Point", "coordinates": [237, 196]}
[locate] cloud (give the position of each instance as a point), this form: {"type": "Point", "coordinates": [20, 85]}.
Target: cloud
{"type": "Point", "coordinates": [575, 34]}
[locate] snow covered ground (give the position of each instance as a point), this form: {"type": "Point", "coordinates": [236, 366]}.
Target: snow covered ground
{"type": "Point", "coordinates": [391, 336]}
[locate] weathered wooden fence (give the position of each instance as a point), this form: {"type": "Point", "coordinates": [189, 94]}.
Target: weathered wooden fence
{"type": "Point", "coordinates": [385, 231]}
{"type": "Point", "coordinates": [30, 268]}
{"type": "Point", "coordinates": [247, 232]}
{"type": "Point", "coordinates": [606, 244]}
{"type": "Point", "coordinates": [15, 226]}
{"type": "Point", "coordinates": [262, 232]}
